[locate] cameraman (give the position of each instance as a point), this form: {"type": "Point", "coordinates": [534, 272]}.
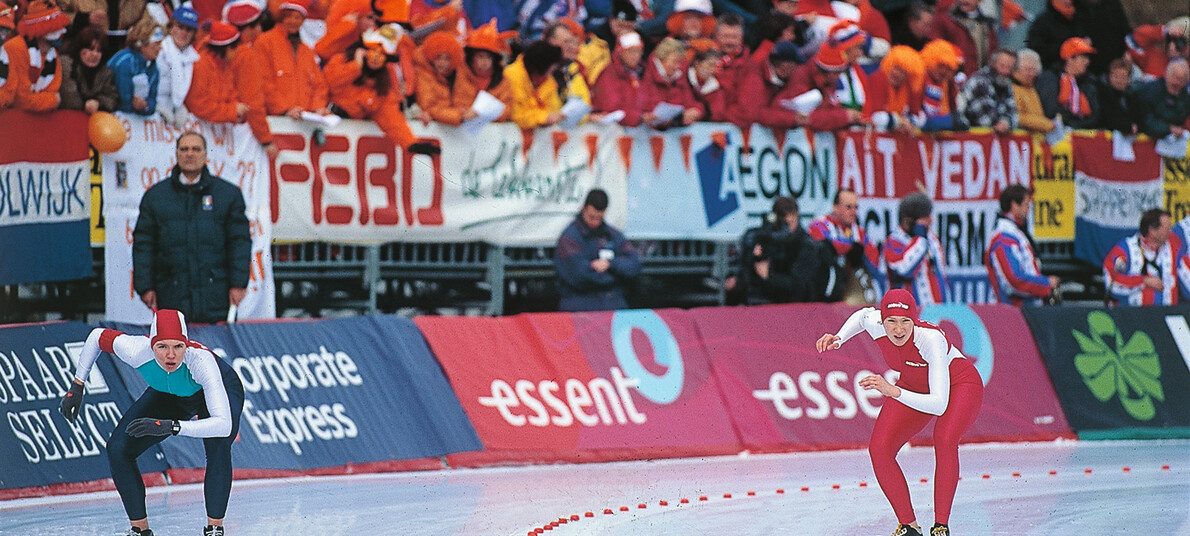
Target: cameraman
{"type": "Point", "coordinates": [781, 263]}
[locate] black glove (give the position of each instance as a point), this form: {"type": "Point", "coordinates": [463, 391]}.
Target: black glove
{"type": "Point", "coordinates": [855, 256]}
{"type": "Point", "coordinates": [72, 401]}
{"type": "Point", "coordinates": [148, 426]}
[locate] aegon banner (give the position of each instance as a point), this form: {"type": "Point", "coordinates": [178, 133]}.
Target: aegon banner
{"type": "Point", "coordinates": [583, 387]}
{"type": "Point", "coordinates": [962, 172]}
{"type": "Point", "coordinates": [782, 393]}
{"type": "Point", "coordinates": [330, 393]}
{"type": "Point", "coordinates": [1121, 368]}
{"type": "Point", "coordinates": [713, 181]}
{"type": "Point", "coordinates": [146, 159]}
{"type": "Point", "coordinates": [504, 186]}
{"type": "Point", "coordinates": [45, 205]}
{"type": "Point", "coordinates": [38, 446]}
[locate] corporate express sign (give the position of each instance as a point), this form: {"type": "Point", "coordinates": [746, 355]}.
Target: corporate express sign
{"type": "Point", "coordinates": [314, 391]}
{"type": "Point", "coordinates": [38, 445]}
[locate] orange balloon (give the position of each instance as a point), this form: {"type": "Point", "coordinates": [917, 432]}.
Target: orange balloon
{"type": "Point", "coordinates": [106, 132]}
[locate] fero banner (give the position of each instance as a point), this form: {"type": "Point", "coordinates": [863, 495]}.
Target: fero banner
{"type": "Point", "coordinates": [1122, 368]}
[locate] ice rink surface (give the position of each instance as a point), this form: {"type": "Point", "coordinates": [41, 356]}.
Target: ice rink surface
{"type": "Point", "coordinates": [1060, 488]}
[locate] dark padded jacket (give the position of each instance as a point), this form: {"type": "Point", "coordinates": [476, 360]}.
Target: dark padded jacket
{"type": "Point", "coordinates": [191, 244]}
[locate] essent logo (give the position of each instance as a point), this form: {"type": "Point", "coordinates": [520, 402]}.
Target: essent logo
{"type": "Point", "coordinates": [1111, 366]}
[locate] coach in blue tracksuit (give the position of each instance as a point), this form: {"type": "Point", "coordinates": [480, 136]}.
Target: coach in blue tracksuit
{"type": "Point", "coordinates": [594, 260]}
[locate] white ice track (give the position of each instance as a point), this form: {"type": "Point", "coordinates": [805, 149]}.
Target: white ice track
{"type": "Point", "coordinates": [1061, 488]}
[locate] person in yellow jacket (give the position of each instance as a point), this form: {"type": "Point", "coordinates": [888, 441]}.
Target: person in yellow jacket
{"type": "Point", "coordinates": [535, 98]}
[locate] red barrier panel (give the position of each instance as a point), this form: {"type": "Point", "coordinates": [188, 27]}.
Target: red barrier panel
{"type": "Point", "coordinates": [784, 395]}
{"type": "Point", "coordinates": [583, 387]}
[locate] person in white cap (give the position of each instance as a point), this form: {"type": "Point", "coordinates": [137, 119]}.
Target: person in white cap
{"type": "Point", "coordinates": [186, 380]}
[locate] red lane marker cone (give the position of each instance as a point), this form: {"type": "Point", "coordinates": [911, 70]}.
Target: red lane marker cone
{"type": "Point", "coordinates": [863, 484]}
{"type": "Point", "coordinates": [726, 495]}
{"type": "Point", "coordinates": [702, 497]}
{"type": "Point", "coordinates": [924, 480]}
{"type": "Point", "coordinates": [1087, 470]}
{"type": "Point", "coordinates": [1127, 469]}
{"type": "Point", "coordinates": [642, 506]}
{"type": "Point", "coordinates": [623, 508]}
{"type": "Point", "coordinates": [607, 511]}
{"type": "Point", "coordinates": [1165, 467]}
{"type": "Point", "coordinates": [1016, 474]}
{"type": "Point", "coordinates": [751, 493]}
{"type": "Point", "coordinates": [835, 486]}
{"type": "Point", "coordinates": [575, 517]}
{"type": "Point", "coordinates": [780, 491]}
{"type": "Point", "coordinates": [1053, 472]}
{"type": "Point", "coordinates": [664, 503]}
{"type": "Point", "coordinates": [805, 488]}
{"type": "Point", "coordinates": [986, 476]}
{"type": "Point", "coordinates": [589, 514]}
{"type": "Point", "coordinates": [685, 501]}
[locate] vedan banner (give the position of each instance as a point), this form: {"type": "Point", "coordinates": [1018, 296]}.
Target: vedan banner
{"type": "Point", "coordinates": [146, 159]}
{"type": "Point", "coordinates": [782, 393]}
{"type": "Point", "coordinates": [962, 172]}
{"type": "Point", "coordinates": [1122, 368]}
{"type": "Point", "coordinates": [45, 202]}
{"type": "Point", "coordinates": [38, 446]}
{"type": "Point", "coordinates": [713, 181]}
{"type": "Point", "coordinates": [504, 186]}
{"type": "Point", "coordinates": [329, 393]}
{"type": "Point", "coordinates": [583, 387]}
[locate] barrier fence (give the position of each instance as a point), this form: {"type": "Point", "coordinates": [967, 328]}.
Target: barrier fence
{"type": "Point", "coordinates": [383, 393]}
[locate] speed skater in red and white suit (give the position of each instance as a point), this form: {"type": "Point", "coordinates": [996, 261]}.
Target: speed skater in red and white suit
{"type": "Point", "coordinates": [936, 380]}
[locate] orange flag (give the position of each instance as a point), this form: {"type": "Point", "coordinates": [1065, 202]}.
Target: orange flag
{"type": "Point", "coordinates": [657, 143]}
{"type": "Point", "coordinates": [626, 151]}
{"type": "Point", "coordinates": [527, 140]}
{"type": "Point", "coordinates": [592, 150]}
{"type": "Point", "coordinates": [684, 140]}
{"type": "Point", "coordinates": [560, 138]}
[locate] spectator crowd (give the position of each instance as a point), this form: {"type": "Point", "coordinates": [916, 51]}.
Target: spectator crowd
{"type": "Point", "coordinates": [662, 64]}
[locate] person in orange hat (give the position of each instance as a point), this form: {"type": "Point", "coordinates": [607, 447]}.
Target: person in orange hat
{"type": "Point", "coordinates": [213, 96]}
{"type": "Point", "coordinates": [8, 23]}
{"type": "Point", "coordinates": [33, 71]}
{"type": "Point", "coordinates": [618, 86]}
{"type": "Point", "coordinates": [483, 51]}
{"type": "Point", "coordinates": [690, 19]}
{"type": "Point", "coordinates": [250, 67]}
{"type": "Point", "coordinates": [1070, 93]}
{"type": "Point", "coordinates": [942, 61]}
{"type": "Point", "coordinates": [346, 21]}
{"type": "Point", "coordinates": [822, 74]}
{"type": "Point", "coordinates": [293, 82]}
{"type": "Point", "coordinates": [848, 38]}
{"type": "Point", "coordinates": [362, 86]}
{"type": "Point", "coordinates": [895, 91]}
{"type": "Point", "coordinates": [438, 60]}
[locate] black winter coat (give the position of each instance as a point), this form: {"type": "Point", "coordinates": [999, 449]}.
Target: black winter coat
{"type": "Point", "coordinates": [191, 244]}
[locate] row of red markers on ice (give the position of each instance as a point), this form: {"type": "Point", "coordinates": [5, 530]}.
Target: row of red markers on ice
{"type": "Point", "coordinates": [780, 491]}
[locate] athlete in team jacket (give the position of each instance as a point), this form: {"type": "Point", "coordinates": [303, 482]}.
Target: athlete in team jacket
{"type": "Point", "coordinates": [936, 380]}
{"type": "Point", "coordinates": [185, 380]}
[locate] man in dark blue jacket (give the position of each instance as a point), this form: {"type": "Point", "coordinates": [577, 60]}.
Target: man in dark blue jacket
{"type": "Point", "coordinates": [594, 260]}
{"type": "Point", "coordinates": [1164, 103]}
{"type": "Point", "coordinates": [191, 249]}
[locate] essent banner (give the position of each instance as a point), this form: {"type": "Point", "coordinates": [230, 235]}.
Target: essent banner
{"type": "Point", "coordinates": [783, 394]}
{"type": "Point", "coordinates": [583, 387]}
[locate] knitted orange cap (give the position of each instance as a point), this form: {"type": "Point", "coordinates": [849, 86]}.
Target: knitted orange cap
{"type": "Point", "coordinates": [40, 18]}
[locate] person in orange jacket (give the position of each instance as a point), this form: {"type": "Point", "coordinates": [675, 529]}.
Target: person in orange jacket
{"type": "Point", "coordinates": [361, 87]}
{"type": "Point", "coordinates": [249, 67]}
{"type": "Point", "coordinates": [484, 51]}
{"type": "Point", "coordinates": [212, 96]}
{"type": "Point", "coordinates": [35, 49]}
{"type": "Point", "coordinates": [438, 60]}
{"type": "Point", "coordinates": [293, 83]}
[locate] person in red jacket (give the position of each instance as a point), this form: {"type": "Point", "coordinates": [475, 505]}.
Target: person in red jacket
{"type": "Point", "coordinates": [29, 60]}
{"type": "Point", "coordinates": [703, 76]}
{"type": "Point", "coordinates": [763, 88]}
{"type": "Point", "coordinates": [212, 96]}
{"type": "Point", "coordinates": [618, 86]}
{"type": "Point", "coordinates": [822, 75]}
{"type": "Point", "coordinates": [895, 91]}
{"type": "Point", "coordinates": [1151, 46]}
{"type": "Point", "coordinates": [250, 67]}
{"type": "Point", "coordinates": [665, 81]}
{"type": "Point", "coordinates": [362, 87]}
{"type": "Point", "coordinates": [973, 32]}
{"type": "Point", "coordinates": [729, 36]}
{"type": "Point", "coordinates": [293, 82]}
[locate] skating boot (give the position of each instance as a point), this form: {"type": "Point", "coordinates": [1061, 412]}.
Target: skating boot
{"type": "Point", "coordinates": [212, 530]}
{"type": "Point", "coordinates": [906, 530]}
{"type": "Point", "coordinates": [940, 530]}
{"type": "Point", "coordinates": [139, 532]}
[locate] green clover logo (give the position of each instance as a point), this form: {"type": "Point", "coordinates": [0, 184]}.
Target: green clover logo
{"type": "Point", "coordinates": [1110, 366]}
